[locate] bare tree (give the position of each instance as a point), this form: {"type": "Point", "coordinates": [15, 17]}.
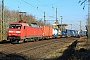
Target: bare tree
{"type": "Point", "coordinates": [83, 2]}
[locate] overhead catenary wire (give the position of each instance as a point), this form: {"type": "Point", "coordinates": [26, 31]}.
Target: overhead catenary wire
{"type": "Point", "coordinates": [46, 5]}
{"type": "Point", "coordinates": [32, 6]}
{"type": "Point", "coordinates": [50, 4]}
{"type": "Point", "coordinates": [50, 7]}
{"type": "Point", "coordinates": [36, 7]}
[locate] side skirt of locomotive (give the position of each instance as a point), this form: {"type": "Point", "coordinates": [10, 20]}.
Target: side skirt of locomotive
{"type": "Point", "coordinates": [16, 39]}
{"type": "Point", "coordinates": [33, 38]}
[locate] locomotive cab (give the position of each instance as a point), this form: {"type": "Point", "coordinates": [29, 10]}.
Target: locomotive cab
{"type": "Point", "coordinates": [14, 33]}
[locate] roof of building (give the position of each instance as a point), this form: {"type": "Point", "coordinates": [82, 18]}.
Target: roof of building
{"type": "Point", "coordinates": [62, 24]}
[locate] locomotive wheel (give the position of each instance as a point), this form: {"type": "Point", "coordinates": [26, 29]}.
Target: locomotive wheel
{"type": "Point", "coordinates": [34, 39]}
{"type": "Point", "coordinates": [14, 41]}
{"type": "Point", "coordinates": [37, 39]}
{"type": "Point", "coordinates": [42, 38]}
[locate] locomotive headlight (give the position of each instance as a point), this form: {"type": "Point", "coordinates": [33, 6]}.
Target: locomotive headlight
{"type": "Point", "coordinates": [18, 32]}
{"type": "Point", "coordinates": [9, 34]}
{"type": "Point", "coordinates": [10, 31]}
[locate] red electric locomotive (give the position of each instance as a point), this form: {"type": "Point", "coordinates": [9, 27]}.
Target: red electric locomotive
{"type": "Point", "coordinates": [20, 31]}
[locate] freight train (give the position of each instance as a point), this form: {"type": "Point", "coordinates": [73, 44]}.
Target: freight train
{"type": "Point", "coordinates": [21, 31]}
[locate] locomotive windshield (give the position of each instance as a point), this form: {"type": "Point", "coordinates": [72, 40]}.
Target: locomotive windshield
{"type": "Point", "coordinates": [18, 26]}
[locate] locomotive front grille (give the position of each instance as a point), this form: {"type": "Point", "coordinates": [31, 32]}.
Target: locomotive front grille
{"type": "Point", "coordinates": [13, 37]}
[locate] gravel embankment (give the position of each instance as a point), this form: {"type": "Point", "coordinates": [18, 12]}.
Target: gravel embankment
{"type": "Point", "coordinates": [57, 50]}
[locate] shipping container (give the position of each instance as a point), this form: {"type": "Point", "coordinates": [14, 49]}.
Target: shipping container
{"type": "Point", "coordinates": [83, 33]}
{"type": "Point", "coordinates": [69, 33]}
{"type": "Point", "coordinates": [47, 31]}
{"type": "Point", "coordinates": [55, 32]}
{"type": "Point", "coordinates": [64, 33]}
{"type": "Point", "coordinates": [75, 33]}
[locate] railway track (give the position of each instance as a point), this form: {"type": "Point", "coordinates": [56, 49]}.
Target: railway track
{"type": "Point", "coordinates": [40, 46]}
{"type": "Point", "coordinates": [24, 46]}
{"type": "Point", "coordinates": [38, 49]}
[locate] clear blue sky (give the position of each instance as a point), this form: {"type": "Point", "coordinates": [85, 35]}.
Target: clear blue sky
{"type": "Point", "coordinates": [71, 11]}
